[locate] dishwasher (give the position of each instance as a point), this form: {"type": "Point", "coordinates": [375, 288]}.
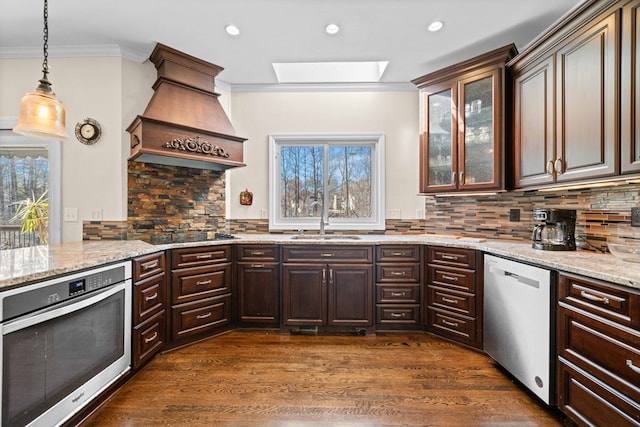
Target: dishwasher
{"type": "Point", "coordinates": [519, 319]}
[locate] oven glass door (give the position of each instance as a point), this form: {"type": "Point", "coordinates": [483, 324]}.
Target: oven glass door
{"type": "Point", "coordinates": [48, 355]}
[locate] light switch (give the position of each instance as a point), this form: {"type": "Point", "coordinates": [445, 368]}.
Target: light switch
{"type": "Point", "coordinates": [70, 214]}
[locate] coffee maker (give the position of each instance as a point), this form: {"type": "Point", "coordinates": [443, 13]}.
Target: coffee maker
{"type": "Point", "coordinates": [554, 229]}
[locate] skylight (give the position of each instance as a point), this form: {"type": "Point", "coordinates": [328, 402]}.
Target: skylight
{"type": "Point", "coordinates": [330, 72]}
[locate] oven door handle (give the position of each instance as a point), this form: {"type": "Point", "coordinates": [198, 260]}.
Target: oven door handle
{"type": "Point", "coordinates": [67, 307]}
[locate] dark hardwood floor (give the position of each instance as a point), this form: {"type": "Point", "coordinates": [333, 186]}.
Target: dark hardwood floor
{"type": "Point", "coordinates": [271, 379]}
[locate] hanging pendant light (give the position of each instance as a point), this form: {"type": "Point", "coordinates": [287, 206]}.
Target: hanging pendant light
{"type": "Point", "coordinates": [41, 114]}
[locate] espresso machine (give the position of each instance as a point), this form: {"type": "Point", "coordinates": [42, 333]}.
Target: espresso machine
{"type": "Point", "coordinates": [554, 229]}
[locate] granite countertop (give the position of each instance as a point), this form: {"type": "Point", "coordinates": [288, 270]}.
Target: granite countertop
{"type": "Point", "coordinates": [26, 265]}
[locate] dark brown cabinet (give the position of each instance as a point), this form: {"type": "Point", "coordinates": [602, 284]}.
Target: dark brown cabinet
{"type": "Point", "coordinates": [462, 111]}
{"type": "Point", "coordinates": [566, 105]}
{"type": "Point", "coordinates": [258, 285]}
{"type": "Point", "coordinates": [149, 299]}
{"type": "Point", "coordinates": [630, 89]}
{"type": "Point", "coordinates": [398, 277]}
{"type": "Point", "coordinates": [598, 352]}
{"type": "Point", "coordinates": [454, 294]}
{"type": "Point", "coordinates": [201, 281]}
{"type": "Point", "coordinates": [327, 285]}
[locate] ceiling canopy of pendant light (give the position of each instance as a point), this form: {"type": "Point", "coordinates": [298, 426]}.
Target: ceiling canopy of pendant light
{"type": "Point", "coordinates": [41, 113]}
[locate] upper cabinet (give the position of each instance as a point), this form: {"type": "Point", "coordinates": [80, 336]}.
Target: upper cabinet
{"type": "Point", "coordinates": [575, 111]}
{"type": "Point", "coordinates": [462, 127]}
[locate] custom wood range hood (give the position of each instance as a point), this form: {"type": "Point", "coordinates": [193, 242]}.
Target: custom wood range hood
{"type": "Point", "coordinates": [184, 123]}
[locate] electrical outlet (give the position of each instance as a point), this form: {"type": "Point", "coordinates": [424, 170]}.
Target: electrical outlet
{"type": "Point", "coordinates": [70, 214]}
{"type": "Point", "coordinates": [393, 214]}
{"type": "Point", "coordinates": [419, 213]}
{"type": "Point", "coordinates": [96, 214]}
{"type": "Point", "coordinates": [514, 215]}
{"type": "Point", "coordinates": [263, 213]}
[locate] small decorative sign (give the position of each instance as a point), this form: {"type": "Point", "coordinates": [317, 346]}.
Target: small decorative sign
{"type": "Point", "coordinates": [246, 197]}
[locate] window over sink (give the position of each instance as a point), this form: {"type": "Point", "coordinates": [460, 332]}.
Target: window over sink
{"type": "Point", "coordinates": [338, 176]}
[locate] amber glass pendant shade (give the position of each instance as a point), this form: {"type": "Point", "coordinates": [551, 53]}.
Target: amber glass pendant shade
{"type": "Point", "coordinates": [42, 114]}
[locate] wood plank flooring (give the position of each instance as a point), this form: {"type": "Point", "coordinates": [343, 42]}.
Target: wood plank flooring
{"type": "Point", "coordinates": [269, 379]}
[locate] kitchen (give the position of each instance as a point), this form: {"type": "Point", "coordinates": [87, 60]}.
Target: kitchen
{"type": "Point", "coordinates": [255, 115]}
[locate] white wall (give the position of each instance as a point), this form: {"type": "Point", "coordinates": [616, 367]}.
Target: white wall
{"type": "Point", "coordinates": [106, 89]}
{"type": "Point", "coordinates": [255, 115]}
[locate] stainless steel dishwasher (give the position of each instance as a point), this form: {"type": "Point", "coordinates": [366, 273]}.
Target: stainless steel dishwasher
{"type": "Point", "coordinates": [519, 323]}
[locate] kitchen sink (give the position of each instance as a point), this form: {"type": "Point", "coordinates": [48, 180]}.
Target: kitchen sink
{"type": "Point", "coordinates": [325, 237]}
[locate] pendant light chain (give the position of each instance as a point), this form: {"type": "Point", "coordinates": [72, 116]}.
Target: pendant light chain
{"type": "Point", "coordinates": [45, 63]}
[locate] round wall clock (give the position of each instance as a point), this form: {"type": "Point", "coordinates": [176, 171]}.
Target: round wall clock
{"type": "Point", "coordinates": [88, 131]}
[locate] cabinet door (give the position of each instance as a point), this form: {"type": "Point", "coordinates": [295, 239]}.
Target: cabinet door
{"type": "Point", "coordinates": [304, 294]}
{"type": "Point", "coordinates": [479, 146]}
{"type": "Point", "coordinates": [350, 299]}
{"type": "Point", "coordinates": [630, 83]}
{"type": "Point", "coordinates": [533, 134]}
{"type": "Point", "coordinates": [438, 152]}
{"type": "Point", "coordinates": [586, 109]}
{"type": "Point", "coordinates": [258, 297]}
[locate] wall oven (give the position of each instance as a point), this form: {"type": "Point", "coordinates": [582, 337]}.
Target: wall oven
{"type": "Point", "coordinates": [63, 342]}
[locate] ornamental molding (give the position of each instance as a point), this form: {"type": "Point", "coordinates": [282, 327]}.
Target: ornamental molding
{"type": "Point", "coordinates": [196, 145]}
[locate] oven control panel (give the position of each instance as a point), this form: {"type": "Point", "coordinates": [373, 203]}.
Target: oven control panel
{"type": "Point", "coordinates": [34, 297]}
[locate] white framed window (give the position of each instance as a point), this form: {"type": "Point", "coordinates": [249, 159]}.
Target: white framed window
{"type": "Point", "coordinates": [340, 176]}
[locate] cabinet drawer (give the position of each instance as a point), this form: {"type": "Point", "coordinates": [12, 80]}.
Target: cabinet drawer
{"type": "Point", "coordinates": [463, 280]}
{"type": "Point", "coordinates": [600, 298]}
{"type": "Point", "coordinates": [192, 257]}
{"type": "Point", "coordinates": [201, 316]}
{"type": "Point", "coordinates": [447, 299]}
{"type": "Point", "coordinates": [328, 253]}
{"type": "Point", "coordinates": [148, 338]}
{"type": "Point", "coordinates": [148, 266]}
{"type": "Point", "coordinates": [398, 272]}
{"type": "Point", "coordinates": [148, 297]}
{"type": "Point", "coordinates": [399, 314]}
{"type": "Point", "coordinates": [398, 253]}
{"type": "Point", "coordinates": [587, 401]}
{"type": "Point", "coordinates": [455, 257]}
{"type": "Point", "coordinates": [248, 253]}
{"type": "Point", "coordinates": [397, 293]}
{"type": "Point", "coordinates": [448, 324]}
{"type": "Point", "coordinates": [608, 352]}
{"type": "Point", "coordinates": [200, 282]}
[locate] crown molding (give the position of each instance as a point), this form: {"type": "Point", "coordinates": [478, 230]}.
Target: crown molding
{"type": "Point", "coordinates": [89, 51]}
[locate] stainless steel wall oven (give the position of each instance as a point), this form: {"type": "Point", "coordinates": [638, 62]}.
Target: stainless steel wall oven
{"type": "Point", "coordinates": [63, 341]}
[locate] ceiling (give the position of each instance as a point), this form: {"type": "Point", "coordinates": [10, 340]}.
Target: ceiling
{"type": "Point", "coordinates": [280, 31]}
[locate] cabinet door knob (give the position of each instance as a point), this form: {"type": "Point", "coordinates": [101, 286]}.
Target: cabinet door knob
{"type": "Point", "coordinates": [596, 298]}
{"type": "Point", "coordinates": [397, 273]}
{"type": "Point", "coordinates": [454, 324]}
{"type": "Point", "coordinates": [452, 278]}
{"type": "Point", "coordinates": [450, 301]}
{"type": "Point", "coordinates": [151, 338]}
{"type": "Point", "coordinates": [257, 265]}
{"type": "Point", "coordinates": [550, 167]}
{"type": "Point", "coordinates": [203, 316]}
{"type": "Point", "coordinates": [206, 256]}
{"type": "Point", "coordinates": [453, 178]}
{"type": "Point", "coordinates": [151, 297]}
{"type": "Point", "coordinates": [461, 178]}
{"type": "Point", "coordinates": [203, 282]}
{"type": "Point", "coordinates": [633, 367]}
{"type": "Point", "coordinates": [150, 265]}
{"type": "Point", "coordinates": [559, 166]}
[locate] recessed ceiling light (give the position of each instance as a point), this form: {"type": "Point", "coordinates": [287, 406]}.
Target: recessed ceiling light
{"type": "Point", "coordinates": [436, 26]}
{"type": "Point", "coordinates": [332, 29]}
{"type": "Point", "coordinates": [232, 30]}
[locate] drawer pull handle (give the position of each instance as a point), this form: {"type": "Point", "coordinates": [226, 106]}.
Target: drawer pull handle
{"type": "Point", "coordinates": [450, 257]}
{"type": "Point", "coordinates": [633, 367]}
{"type": "Point", "coordinates": [151, 338]}
{"type": "Point", "coordinates": [151, 297]}
{"type": "Point", "coordinates": [596, 298]}
{"type": "Point", "coordinates": [146, 266]}
{"type": "Point", "coordinates": [398, 254]}
{"type": "Point", "coordinates": [257, 253]}
{"type": "Point", "coordinates": [397, 315]}
{"type": "Point", "coordinates": [203, 316]}
{"type": "Point", "coordinates": [454, 324]}
{"type": "Point", "coordinates": [450, 301]}
{"type": "Point", "coordinates": [205, 256]}
{"type": "Point", "coordinates": [203, 282]}
{"type": "Point", "coordinates": [257, 265]}
{"type": "Point", "coordinates": [326, 254]}
{"type": "Point", "coordinates": [398, 294]}
{"type": "Point", "coordinates": [397, 273]}
{"type": "Point", "coordinates": [455, 279]}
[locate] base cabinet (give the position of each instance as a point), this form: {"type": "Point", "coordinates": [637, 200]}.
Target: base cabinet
{"type": "Point", "coordinates": [149, 298]}
{"type": "Point", "coordinates": [201, 282]}
{"type": "Point", "coordinates": [258, 285]}
{"type": "Point", "coordinates": [598, 352]}
{"type": "Point", "coordinates": [317, 293]}
{"type": "Point", "coordinates": [454, 294]}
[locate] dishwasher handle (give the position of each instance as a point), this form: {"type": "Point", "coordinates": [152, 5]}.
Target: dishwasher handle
{"type": "Point", "coordinates": [493, 268]}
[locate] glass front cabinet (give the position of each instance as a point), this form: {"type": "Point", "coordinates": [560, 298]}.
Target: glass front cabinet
{"type": "Point", "coordinates": [462, 129]}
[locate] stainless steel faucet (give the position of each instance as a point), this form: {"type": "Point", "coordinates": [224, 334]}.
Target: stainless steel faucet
{"type": "Point", "coordinates": [322, 223]}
